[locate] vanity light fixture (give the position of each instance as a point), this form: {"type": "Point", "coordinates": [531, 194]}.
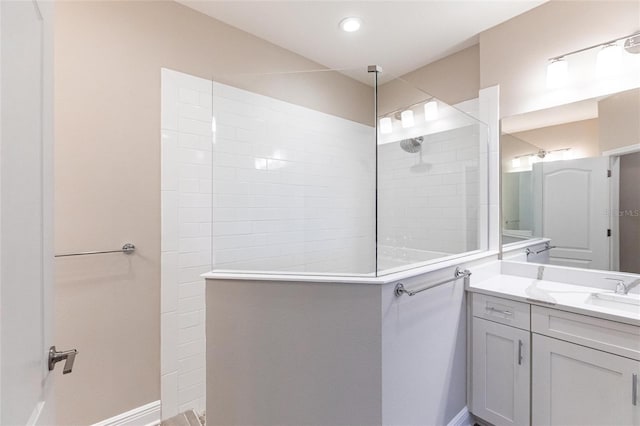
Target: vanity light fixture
{"type": "Point", "coordinates": [533, 159]}
{"type": "Point", "coordinates": [350, 24]}
{"type": "Point", "coordinates": [557, 73]}
{"type": "Point", "coordinates": [608, 59]}
{"type": "Point", "coordinates": [632, 44]}
{"type": "Point", "coordinates": [542, 155]}
{"type": "Point", "coordinates": [386, 126]}
{"type": "Point", "coordinates": [431, 110]}
{"type": "Point", "coordinates": [406, 117]}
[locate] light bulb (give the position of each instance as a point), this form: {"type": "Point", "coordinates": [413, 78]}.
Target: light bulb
{"type": "Point", "coordinates": [407, 119]}
{"type": "Point", "coordinates": [557, 73]}
{"type": "Point", "coordinates": [515, 163]}
{"type": "Point", "coordinates": [386, 125]}
{"type": "Point", "coordinates": [533, 159]}
{"type": "Point", "coordinates": [566, 154]}
{"type": "Point", "coordinates": [350, 24]}
{"type": "Point", "coordinates": [431, 110]}
{"type": "Point", "coordinates": [609, 60]}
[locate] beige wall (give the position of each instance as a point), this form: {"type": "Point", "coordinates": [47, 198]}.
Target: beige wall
{"type": "Point", "coordinates": [514, 54]}
{"type": "Point", "coordinates": [580, 136]}
{"type": "Point", "coordinates": [107, 118]}
{"type": "Point", "coordinates": [453, 79]}
{"type": "Point", "coordinates": [619, 120]}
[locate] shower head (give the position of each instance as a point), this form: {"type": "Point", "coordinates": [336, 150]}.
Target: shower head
{"type": "Point", "coordinates": [412, 145]}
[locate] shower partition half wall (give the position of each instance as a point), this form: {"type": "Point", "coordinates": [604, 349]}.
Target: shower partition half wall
{"type": "Point", "coordinates": [252, 184]}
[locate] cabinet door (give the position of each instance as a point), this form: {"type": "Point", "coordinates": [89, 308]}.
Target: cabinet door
{"type": "Point", "coordinates": [575, 385]}
{"type": "Point", "coordinates": [501, 373]}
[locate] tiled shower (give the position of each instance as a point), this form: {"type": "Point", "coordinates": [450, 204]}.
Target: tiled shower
{"type": "Point", "coordinates": [252, 184]}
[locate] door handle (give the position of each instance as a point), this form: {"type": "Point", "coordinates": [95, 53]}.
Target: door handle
{"type": "Point", "coordinates": [56, 356]}
{"type": "Point", "coordinates": [634, 389]}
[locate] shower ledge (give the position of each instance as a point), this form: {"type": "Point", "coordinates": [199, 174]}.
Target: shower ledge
{"type": "Point", "coordinates": [348, 278]}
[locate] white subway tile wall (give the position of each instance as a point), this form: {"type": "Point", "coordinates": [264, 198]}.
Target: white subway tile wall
{"type": "Point", "coordinates": [428, 203]}
{"type": "Point", "coordinates": [186, 238]}
{"type": "Point", "coordinates": [293, 189]}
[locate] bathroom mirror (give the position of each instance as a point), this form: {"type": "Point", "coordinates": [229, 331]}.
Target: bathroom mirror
{"type": "Point", "coordinates": [572, 174]}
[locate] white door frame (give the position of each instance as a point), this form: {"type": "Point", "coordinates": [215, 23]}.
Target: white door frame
{"type": "Point", "coordinates": [614, 202]}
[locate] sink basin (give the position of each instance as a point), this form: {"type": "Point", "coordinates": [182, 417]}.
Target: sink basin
{"type": "Point", "coordinates": [620, 302]}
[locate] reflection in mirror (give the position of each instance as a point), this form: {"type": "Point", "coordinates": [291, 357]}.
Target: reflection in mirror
{"type": "Point", "coordinates": [429, 178]}
{"type": "Point", "coordinates": [517, 191]}
{"type": "Point", "coordinates": [571, 174]}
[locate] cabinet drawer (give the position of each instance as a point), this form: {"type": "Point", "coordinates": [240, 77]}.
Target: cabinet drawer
{"type": "Point", "coordinates": [504, 311]}
{"type": "Point", "coordinates": [597, 333]}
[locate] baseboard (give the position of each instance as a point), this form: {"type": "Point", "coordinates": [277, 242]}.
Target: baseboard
{"type": "Point", "coordinates": [146, 415]}
{"type": "Point", "coordinates": [463, 418]}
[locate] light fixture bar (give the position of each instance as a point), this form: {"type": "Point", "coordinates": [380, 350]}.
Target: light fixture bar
{"type": "Point", "coordinates": [594, 46]}
{"type": "Point", "coordinates": [541, 153]}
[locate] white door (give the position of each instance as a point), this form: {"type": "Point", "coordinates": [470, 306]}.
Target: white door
{"type": "Point", "coordinates": [575, 385]}
{"type": "Point", "coordinates": [26, 215]}
{"type": "Point", "coordinates": [572, 199]}
{"type": "Point", "coordinates": [501, 375]}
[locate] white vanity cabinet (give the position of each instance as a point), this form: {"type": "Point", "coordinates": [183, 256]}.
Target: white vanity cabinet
{"type": "Point", "coordinates": [575, 385]}
{"type": "Point", "coordinates": [501, 361]}
{"type": "Point", "coordinates": [548, 367]}
{"type": "Point", "coordinates": [585, 370]}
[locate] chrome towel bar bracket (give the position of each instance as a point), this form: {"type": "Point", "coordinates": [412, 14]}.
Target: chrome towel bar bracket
{"type": "Point", "coordinates": [128, 248]}
{"type": "Point", "coordinates": [458, 273]}
{"type": "Point", "coordinates": [547, 246]}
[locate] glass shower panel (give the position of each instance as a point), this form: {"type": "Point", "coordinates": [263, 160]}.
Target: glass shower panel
{"type": "Point", "coordinates": [432, 166]}
{"type": "Point", "coordinates": [293, 172]}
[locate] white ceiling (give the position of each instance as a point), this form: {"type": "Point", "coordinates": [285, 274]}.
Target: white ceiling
{"type": "Point", "coordinates": [400, 36]}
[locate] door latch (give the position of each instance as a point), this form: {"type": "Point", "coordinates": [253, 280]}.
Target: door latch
{"type": "Point", "coordinates": [56, 356]}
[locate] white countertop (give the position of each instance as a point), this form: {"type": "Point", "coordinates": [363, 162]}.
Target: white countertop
{"type": "Point", "coordinates": [566, 297]}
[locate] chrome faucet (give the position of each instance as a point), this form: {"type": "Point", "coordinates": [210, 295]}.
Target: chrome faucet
{"type": "Point", "coordinates": [631, 285]}
{"type": "Point", "coordinates": [621, 287]}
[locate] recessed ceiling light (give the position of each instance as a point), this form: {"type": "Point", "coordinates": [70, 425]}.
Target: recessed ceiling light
{"type": "Point", "coordinates": [350, 24]}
